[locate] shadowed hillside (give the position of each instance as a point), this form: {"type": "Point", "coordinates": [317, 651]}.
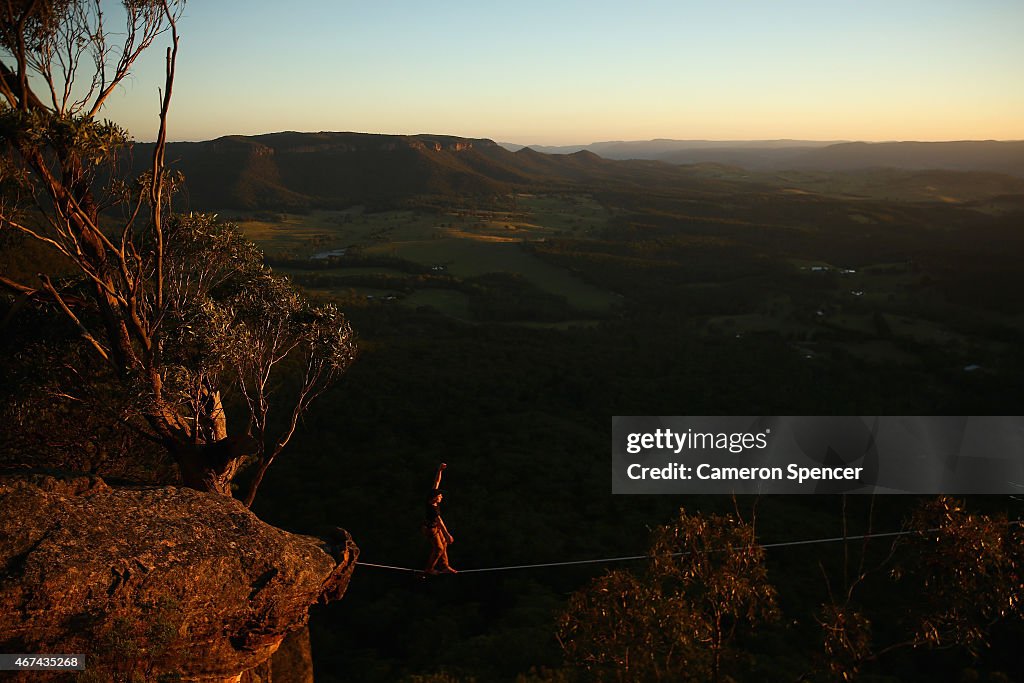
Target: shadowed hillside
{"type": "Point", "coordinates": [303, 171]}
{"type": "Point", "coordinates": [773, 155]}
{"type": "Point", "coordinates": [299, 171]}
{"type": "Point", "coordinates": [324, 170]}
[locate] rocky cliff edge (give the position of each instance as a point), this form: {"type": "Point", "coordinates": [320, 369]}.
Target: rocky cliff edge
{"type": "Point", "coordinates": [154, 581]}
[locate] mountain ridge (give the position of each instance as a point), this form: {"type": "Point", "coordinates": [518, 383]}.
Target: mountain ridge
{"type": "Point", "coordinates": [289, 170]}
{"type": "Point", "coordinates": [1000, 156]}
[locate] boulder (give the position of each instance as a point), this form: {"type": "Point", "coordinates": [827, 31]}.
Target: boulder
{"type": "Point", "coordinates": [152, 582]}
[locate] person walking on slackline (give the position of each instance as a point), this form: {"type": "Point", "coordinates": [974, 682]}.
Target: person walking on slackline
{"type": "Point", "coordinates": [436, 531]}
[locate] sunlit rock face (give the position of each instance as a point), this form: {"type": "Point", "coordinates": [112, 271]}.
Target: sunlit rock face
{"type": "Point", "coordinates": [152, 580]}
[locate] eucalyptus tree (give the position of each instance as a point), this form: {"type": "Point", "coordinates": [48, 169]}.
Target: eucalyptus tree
{"type": "Point", "coordinates": [706, 581]}
{"type": "Point", "coordinates": [177, 308]}
{"type": "Point", "coordinates": [956, 575]}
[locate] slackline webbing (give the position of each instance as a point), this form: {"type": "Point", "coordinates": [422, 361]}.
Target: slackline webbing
{"type": "Point", "coordinates": [629, 558]}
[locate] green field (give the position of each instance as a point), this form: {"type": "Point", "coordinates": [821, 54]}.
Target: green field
{"type": "Point", "coordinates": [468, 257]}
{"type": "Point", "coordinates": [450, 302]}
{"type": "Point", "coordinates": [521, 217]}
{"type": "Point", "coordinates": [466, 243]}
{"type": "Point", "coordinates": [440, 259]}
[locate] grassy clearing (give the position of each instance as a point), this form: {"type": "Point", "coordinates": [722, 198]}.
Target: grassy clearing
{"type": "Point", "coordinates": [447, 301]}
{"type": "Point", "coordinates": [561, 325]}
{"type": "Point", "coordinates": [750, 323]}
{"type": "Point", "coordinates": [564, 213]}
{"type": "Point", "coordinates": [468, 242]}
{"type": "Point", "coordinates": [353, 271]}
{"type": "Point", "coordinates": [468, 258]}
{"type": "Point", "coordinates": [531, 217]}
{"type": "Point", "coordinates": [879, 351]}
{"type": "Point", "coordinates": [924, 331]}
{"type": "Point", "coordinates": [303, 235]}
{"type": "Point", "coordinates": [859, 323]}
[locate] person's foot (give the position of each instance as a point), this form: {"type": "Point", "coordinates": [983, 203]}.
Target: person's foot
{"type": "Point", "coordinates": [449, 570]}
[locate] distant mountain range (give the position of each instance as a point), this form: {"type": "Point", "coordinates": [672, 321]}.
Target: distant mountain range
{"type": "Point", "coordinates": [332, 170]}
{"type": "Point", "coordinates": [654, 149]}
{"type": "Point", "coordinates": [776, 155]}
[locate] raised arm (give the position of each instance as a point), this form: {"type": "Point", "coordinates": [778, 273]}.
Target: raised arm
{"type": "Point", "coordinates": [437, 477]}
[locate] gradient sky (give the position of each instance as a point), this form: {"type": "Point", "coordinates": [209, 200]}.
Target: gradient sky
{"type": "Point", "coordinates": [574, 72]}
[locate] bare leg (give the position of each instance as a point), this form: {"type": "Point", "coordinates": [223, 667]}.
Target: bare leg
{"type": "Point", "coordinates": [438, 552]}
{"type": "Point", "coordinates": [437, 562]}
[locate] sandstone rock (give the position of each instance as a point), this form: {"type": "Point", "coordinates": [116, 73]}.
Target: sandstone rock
{"type": "Point", "coordinates": [292, 663]}
{"type": "Point", "coordinates": [154, 580]}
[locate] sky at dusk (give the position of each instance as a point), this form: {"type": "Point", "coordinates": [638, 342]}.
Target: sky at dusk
{"type": "Point", "coordinates": [567, 72]}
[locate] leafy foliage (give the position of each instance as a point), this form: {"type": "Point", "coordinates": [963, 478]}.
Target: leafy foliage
{"type": "Point", "coordinates": [177, 308]}
{"type": "Point", "coordinates": [968, 568]}
{"type": "Point", "coordinates": [707, 580]}
{"type": "Point", "coordinates": [963, 571]}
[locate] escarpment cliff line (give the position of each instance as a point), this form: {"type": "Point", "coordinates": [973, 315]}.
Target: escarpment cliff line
{"type": "Point", "coordinates": [152, 580]}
